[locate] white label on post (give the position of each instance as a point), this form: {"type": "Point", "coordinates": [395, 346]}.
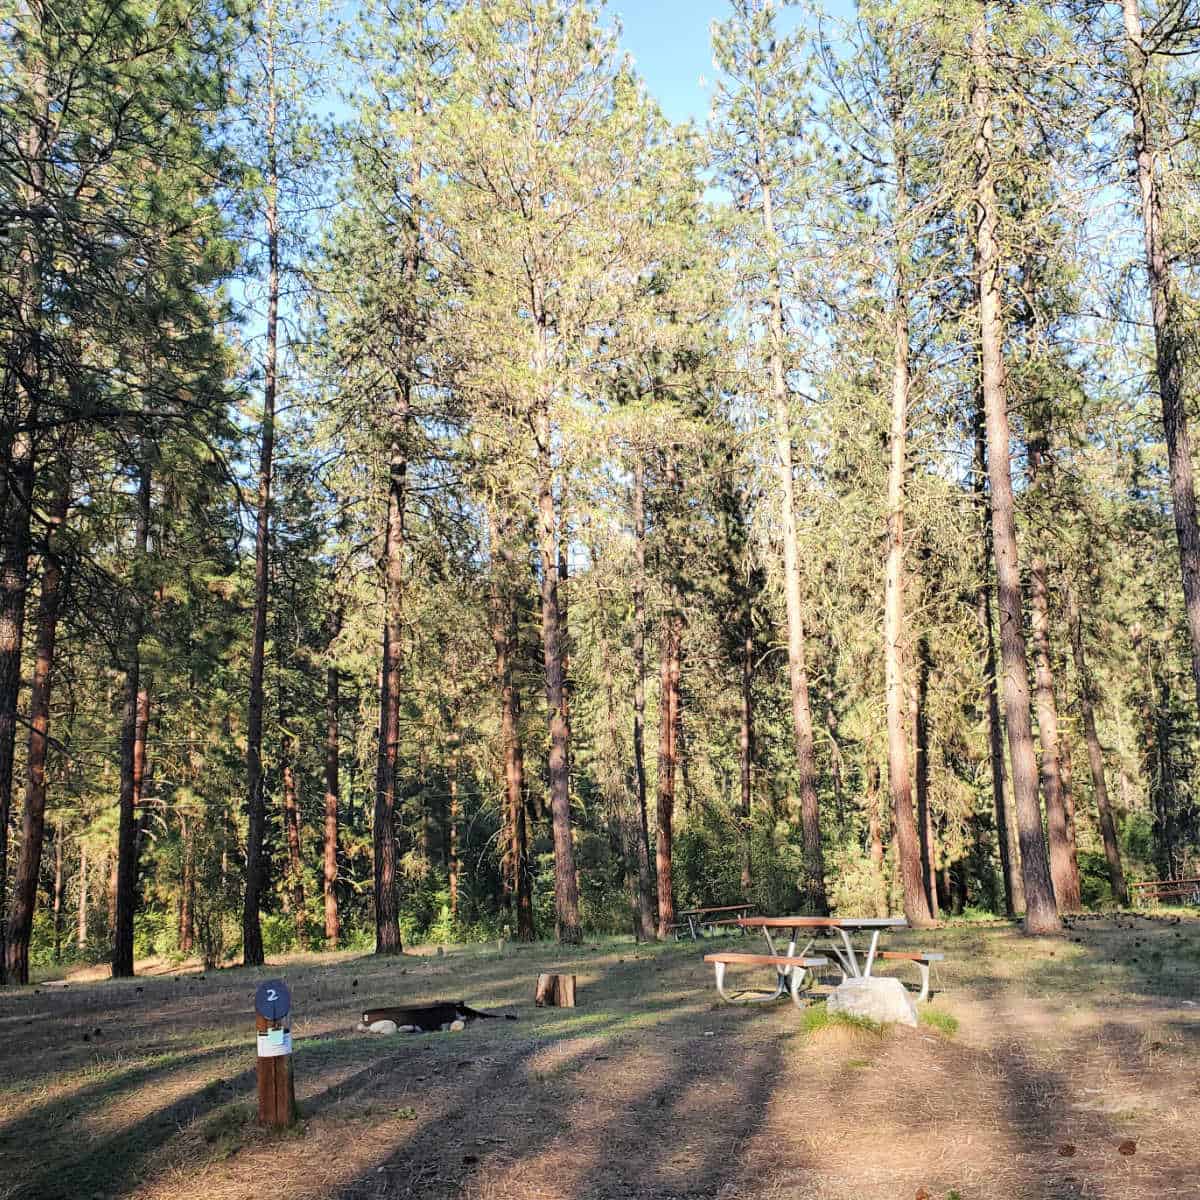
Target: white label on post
{"type": "Point", "coordinates": [274, 1043]}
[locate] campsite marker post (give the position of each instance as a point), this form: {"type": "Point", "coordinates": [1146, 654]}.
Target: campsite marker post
{"type": "Point", "coordinates": [276, 1087]}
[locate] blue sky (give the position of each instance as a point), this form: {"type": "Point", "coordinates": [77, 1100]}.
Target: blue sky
{"type": "Point", "coordinates": [669, 42]}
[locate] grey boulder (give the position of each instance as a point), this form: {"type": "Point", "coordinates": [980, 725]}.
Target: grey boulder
{"type": "Point", "coordinates": [879, 999]}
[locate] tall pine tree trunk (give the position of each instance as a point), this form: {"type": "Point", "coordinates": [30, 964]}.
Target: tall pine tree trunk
{"type": "Point", "coordinates": [1064, 870]}
{"type": "Point", "coordinates": [81, 925]}
{"type": "Point", "coordinates": [291, 825]}
{"type": "Point", "coordinates": [920, 702]}
{"type": "Point", "coordinates": [33, 818]}
{"type": "Point", "coordinates": [900, 777]}
{"type": "Point", "coordinates": [329, 858]}
{"type": "Point", "coordinates": [18, 464]}
{"type": "Point", "coordinates": [802, 723]}
{"type": "Point", "coordinates": [453, 749]}
{"type": "Point", "coordinates": [256, 804]}
{"type": "Point", "coordinates": [134, 726]}
{"type": "Point", "coordinates": [1041, 916]}
{"type": "Point", "coordinates": [746, 748]}
{"type": "Point", "coordinates": [645, 876]}
{"type": "Point", "coordinates": [1010, 867]}
{"type": "Point", "coordinates": [1087, 708]}
{"type": "Point", "coordinates": [668, 757]}
{"type": "Point", "coordinates": [1170, 333]}
{"type": "Point", "coordinates": [566, 886]}
{"type": "Point", "coordinates": [504, 639]}
{"type": "Point", "coordinates": [387, 914]}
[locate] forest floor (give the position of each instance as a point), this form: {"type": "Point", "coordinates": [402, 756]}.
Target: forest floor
{"type": "Point", "coordinates": [1072, 1073]}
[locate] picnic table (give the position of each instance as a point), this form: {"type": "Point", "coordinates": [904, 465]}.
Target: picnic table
{"type": "Point", "coordinates": [1167, 889]}
{"type": "Point", "coordinates": [793, 965]}
{"type": "Point", "coordinates": [700, 918]}
{"type": "Point", "coordinates": [835, 930]}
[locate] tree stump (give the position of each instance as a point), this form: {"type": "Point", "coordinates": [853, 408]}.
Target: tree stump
{"type": "Point", "coordinates": [555, 991]}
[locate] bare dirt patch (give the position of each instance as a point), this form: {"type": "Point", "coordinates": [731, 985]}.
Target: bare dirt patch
{"type": "Point", "coordinates": [1071, 1075]}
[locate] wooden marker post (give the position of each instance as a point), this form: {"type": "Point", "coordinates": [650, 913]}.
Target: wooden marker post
{"type": "Point", "coordinates": [276, 1087]}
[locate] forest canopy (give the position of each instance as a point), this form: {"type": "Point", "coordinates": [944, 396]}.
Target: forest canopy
{"type": "Point", "coordinates": [444, 499]}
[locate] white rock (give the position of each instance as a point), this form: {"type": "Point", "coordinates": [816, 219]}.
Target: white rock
{"type": "Point", "coordinates": [875, 998]}
{"type": "Point", "coordinates": [382, 1027]}
{"type": "Point", "coordinates": [457, 1026]}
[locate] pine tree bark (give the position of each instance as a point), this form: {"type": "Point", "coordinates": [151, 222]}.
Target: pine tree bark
{"type": "Point", "coordinates": [187, 887]}
{"type": "Point", "coordinates": [1041, 916]}
{"type": "Point", "coordinates": [925, 832]}
{"type": "Point", "coordinates": [566, 887]}
{"type": "Point", "coordinates": [18, 464]}
{"type": "Point", "coordinates": [746, 748]}
{"type": "Point", "coordinates": [900, 777]}
{"type": "Point", "coordinates": [33, 818]}
{"type": "Point", "coordinates": [81, 925]}
{"type": "Point", "coordinates": [1064, 870]}
{"type": "Point", "coordinates": [387, 915]}
{"type": "Point", "coordinates": [58, 889]}
{"type": "Point", "coordinates": [291, 824]}
{"type": "Point", "coordinates": [256, 804]}
{"type": "Point", "coordinates": [134, 727]}
{"type": "Point", "coordinates": [329, 858]}
{"type": "Point", "coordinates": [1170, 332]}
{"type": "Point", "coordinates": [453, 749]}
{"type": "Point", "coordinates": [1087, 708]}
{"type": "Point", "coordinates": [802, 723]}
{"type": "Point", "coordinates": [1014, 886]}
{"type": "Point", "coordinates": [645, 876]}
{"type": "Point", "coordinates": [668, 751]}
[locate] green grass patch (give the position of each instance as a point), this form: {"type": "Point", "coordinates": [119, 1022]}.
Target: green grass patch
{"type": "Point", "coordinates": [817, 1018]}
{"type": "Point", "coordinates": [936, 1019]}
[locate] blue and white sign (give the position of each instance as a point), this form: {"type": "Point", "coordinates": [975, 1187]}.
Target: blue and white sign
{"type": "Point", "coordinates": [273, 1000]}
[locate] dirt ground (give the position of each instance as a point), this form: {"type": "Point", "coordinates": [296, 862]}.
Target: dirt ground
{"type": "Point", "coordinates": [1074, 1073]}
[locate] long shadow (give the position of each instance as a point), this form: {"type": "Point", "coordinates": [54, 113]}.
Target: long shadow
{"type": "Point", "coordinates": [674, 1132]}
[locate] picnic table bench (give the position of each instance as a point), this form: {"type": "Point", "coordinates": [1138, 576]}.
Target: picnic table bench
{"type": "Point", "coordinates": [698, 919]}
{"type": "Point", "coordinates": [1167, 889]}
{"type": "Point", "coordinates": [790, 971]}
{"type": "Point", "coordinates": [793, 965]}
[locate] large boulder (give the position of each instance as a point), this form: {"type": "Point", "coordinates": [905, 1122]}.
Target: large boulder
{"type": "Point", "coordinates": [876, 998]}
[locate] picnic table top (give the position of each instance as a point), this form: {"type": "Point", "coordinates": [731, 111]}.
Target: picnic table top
{"type": "Point", "coordinates": [825, 922]}
{"type": "Point", "coordinates": [696, 912]}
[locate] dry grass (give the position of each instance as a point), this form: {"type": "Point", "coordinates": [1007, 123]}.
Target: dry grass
{"type": "Point", "coordinates": [1065, 1048]}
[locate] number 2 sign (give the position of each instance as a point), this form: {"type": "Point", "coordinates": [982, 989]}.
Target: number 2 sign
{"type": "Point", "coordinates": [273, 1000]}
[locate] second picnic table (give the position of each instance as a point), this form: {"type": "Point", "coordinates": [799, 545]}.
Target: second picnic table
{"type": "Point", "coordinates": [836, 930]}
{"type": "Point", "coordinates": [698, 918]}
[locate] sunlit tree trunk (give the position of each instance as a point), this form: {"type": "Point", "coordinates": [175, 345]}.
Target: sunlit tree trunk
{"type": "Point", "coordinates": [18, 465]}
{"type": "Point", "coordinates": [668, 757]}
{"type": "Point", "coordinates": [81, 925]}
{"type": "Point", "coordinates": [566, 886]}
{"type": "Point", "coordinates": [645, 876]}
{"type": "Point", "coordinates": [1041, 916]}
{"type": "Point", "coordinates": [1064, 870]}
{"type": "Point", "coordinates": [1087, 708]}
{"type": "Point", "coordinates": [1010, 867]}
{"type": "Point", "coordinates": [900, 778]}
{"type": "Point", "coordinates": [746, 748]}
{"type": "Point", "coordinates": [329, 857]}
{"type": "Point", "coordinates": [291, 825]}
{"type": "Point", "coordinates": [256, 804]}
{"type": "Point", "coordinates": [25, 884]}
{"type": "Point", "coordinates": [134, 726]}
{"type": "Point", "coordinates": [802, 723]}
{"type": "Point", "coordinates": [504, 640]}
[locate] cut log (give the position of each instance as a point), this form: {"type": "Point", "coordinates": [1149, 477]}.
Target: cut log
{"type": "Point", "coordinates": [555, 991]}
